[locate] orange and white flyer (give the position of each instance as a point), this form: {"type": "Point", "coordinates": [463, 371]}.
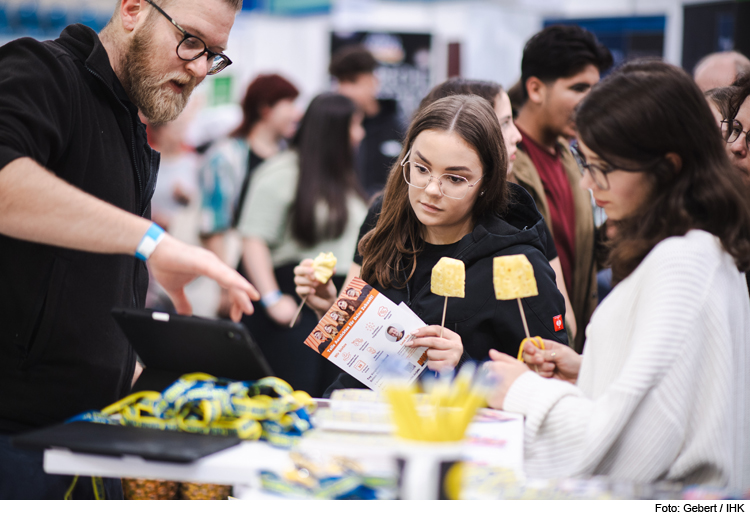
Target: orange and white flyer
{"type": "Point", "coordinates": [364, 333]}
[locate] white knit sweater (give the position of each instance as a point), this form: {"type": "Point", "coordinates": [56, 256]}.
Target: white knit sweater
{"type": "Point", "coordinates": [664, 387]}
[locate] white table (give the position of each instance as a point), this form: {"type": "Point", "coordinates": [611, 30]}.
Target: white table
{"type": "Point", "coordinates": [492, 443]}
{"type": "Point", "coordinates": [238, 466]}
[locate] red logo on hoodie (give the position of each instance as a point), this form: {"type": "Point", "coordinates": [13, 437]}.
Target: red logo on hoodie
{"type": "Point", "coordinates": [557, 321]}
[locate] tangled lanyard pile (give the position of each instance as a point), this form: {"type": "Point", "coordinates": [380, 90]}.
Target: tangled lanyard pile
{"type": "Point", "coordinates": [199, 403]}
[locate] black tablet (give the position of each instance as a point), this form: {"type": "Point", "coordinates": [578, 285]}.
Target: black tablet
{"type": "Point", "coordinates": [171, 345]}
{"type": "Point", "coordinates": [115, 440]}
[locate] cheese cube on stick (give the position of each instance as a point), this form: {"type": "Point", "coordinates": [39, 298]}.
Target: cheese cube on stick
{"type": "Point", "coordinates": [513, 277]}
{"type": "Point", "coordinates": [323, 266]}
{"type": "Point", "coordinates": [448, 278]}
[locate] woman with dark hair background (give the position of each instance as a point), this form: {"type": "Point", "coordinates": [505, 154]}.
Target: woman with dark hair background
{"type": "Point", "coordinates": [718, 101]}
{"type": "Point", "coordinates": [269, 118]}
{"type": "Point", "coordinates": [662, 388]}
{"type": "Point", "coordinates": [301, 202]}
{"type": "Point", "coordinates": [736, 123]}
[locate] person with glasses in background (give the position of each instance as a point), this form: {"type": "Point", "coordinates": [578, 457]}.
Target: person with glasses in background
{"type": "Point", "coordinates": [76, 179]}
{"type": "Point", "coordinates": [448, 197]}
{"type": "Point", "coordinates": [733, 106]}
{"type": "Point", "coordinates": [662, 388]}
{"type": "Point", "coordinates": [736, 123]}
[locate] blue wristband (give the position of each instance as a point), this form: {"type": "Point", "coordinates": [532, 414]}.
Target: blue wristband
{"type": "Point", "coordinates": [150, 240]}
{"type": "Point", "coordinates": [271, 298]}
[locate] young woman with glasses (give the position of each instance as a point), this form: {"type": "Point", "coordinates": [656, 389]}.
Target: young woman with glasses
{"type": "Point", "coordinates": [661, 391]}
{"type": "Point", "coordinates": [448, 197]}
{"type": "Point", "coordinates": [301, 202]}
{"type": "Point", "coordinates": [494, 94]}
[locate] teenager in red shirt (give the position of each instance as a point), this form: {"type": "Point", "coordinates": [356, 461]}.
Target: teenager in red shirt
{"type": "Point", "coordinates": [560, 65]}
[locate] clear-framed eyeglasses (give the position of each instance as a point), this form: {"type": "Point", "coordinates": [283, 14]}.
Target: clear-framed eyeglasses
{"type": "Point", "coordinates": [732, 130]}
{"type": "Point", "coordinates": [191, 47]}
{"type": "Point", "coordinates": [450, 185]}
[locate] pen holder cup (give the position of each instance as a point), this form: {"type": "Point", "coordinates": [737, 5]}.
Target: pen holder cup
{"type": "Point", "coordinates": [429, 470]}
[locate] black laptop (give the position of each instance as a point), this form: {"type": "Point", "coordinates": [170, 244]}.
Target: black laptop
{"type": "Point", "coordinates": [116, 440]}
{"type": "Point", "coordinates": [170, 345]}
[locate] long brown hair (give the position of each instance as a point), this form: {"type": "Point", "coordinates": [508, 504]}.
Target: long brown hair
{"type": "Point", "coordinates": [393, 245]}
{"type": "Point", "coordinates": [326, 169]}
{"type": "Point", "coordinates": [632, 120]}
{"type": "Point", "coordinates": [487, 90]}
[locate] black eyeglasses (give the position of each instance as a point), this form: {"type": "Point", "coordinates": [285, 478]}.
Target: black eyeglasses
{"type": "Point", "coordinates": [598, 174]}
{"type": "Point", "coordinates": [191, 47]}
{"type": "Point", "coordinates": [732, 130]}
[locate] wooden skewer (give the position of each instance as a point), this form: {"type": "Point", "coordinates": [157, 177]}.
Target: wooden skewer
{"type": "Point", "coordinates": [299, 309]}
{"type": "Point", "coordinates": [442, 324]}
{"type": "Point", "coordinates": [525, 326]}
{"type": "Point", "coordinates": [523, 316]}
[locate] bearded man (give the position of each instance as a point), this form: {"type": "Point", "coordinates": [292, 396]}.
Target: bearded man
{"type": "Point", "coordinates": [76, 179]}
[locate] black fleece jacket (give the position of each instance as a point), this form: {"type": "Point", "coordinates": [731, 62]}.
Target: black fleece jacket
{"type": "Point", "coordinates": [61, 352]}
{"type": "Point", "coordinates": [482, 321]}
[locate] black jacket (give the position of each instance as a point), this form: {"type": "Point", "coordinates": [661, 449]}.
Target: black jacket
{"type": "Point", "coordinates": [482, 321]}
{"type": "Point", "coordinates": [61, 352]}
{"type": "Point", "coordinates": [380, 146]}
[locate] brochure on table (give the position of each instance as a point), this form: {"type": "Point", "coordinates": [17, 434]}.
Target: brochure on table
{"type": "Point", "coordinates": [364, 334]}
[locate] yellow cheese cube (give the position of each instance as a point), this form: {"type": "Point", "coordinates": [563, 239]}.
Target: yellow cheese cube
{"type": "Point", "coordinates": [323, 266]}
{"type": "Point", "coordinates": [448, 278]}
{"type": "Point", "coordinates": [513, 277]}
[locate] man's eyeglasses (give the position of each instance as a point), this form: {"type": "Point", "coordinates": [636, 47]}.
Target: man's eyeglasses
{"type": "Point", "coordinates": [598, 174]}
{"type": "Point", "coordinates": [191, 47]}
{"type": "Point", "coordinates": [732, 130]}
{"type": "Point", "coordinates": [450, 185]}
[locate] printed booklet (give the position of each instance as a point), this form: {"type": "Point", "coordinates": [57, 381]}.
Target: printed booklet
{"type": "Point", "coordinates": [364, 334]}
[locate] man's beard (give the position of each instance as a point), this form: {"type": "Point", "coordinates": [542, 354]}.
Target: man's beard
{"type": "Point", "coordinates": [148, 89]}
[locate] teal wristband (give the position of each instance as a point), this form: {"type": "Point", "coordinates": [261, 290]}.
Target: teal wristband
{"type": "Point", "coordinates": [150, 240]}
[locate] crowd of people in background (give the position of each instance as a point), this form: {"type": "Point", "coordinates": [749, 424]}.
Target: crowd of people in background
{"type": "Point", "coordinates": [559, 67]}
{"type": "Point", "coordinates": [635, 186]}
{"type": "Point", "coordinates": [631, 188]}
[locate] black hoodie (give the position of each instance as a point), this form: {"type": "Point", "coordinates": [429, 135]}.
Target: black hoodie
{"type": "Point", "coordinates": [482, 321]}
{"type": "Point", "coordinates": [61, 351]}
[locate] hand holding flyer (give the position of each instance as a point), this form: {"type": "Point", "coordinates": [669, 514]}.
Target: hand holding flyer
{"type": "Point", "coordinates": [364, 334]}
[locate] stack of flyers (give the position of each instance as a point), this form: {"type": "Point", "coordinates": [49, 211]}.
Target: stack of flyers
{"type": "Point", "coordinates": [364, 334]}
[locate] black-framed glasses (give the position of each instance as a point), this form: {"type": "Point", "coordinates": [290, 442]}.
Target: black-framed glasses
{"type": "Point", "coordinates": [732, 130]}
{"type": "Point", "coordinates": [191, 47]}
{"type": "Point", "coordinates": [598, 174]}
{"type": "Point", "coordinates": [450, 185]}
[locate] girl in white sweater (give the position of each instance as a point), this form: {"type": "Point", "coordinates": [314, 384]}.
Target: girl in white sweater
{"type": "Point", "coordinates": [662, 391]}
